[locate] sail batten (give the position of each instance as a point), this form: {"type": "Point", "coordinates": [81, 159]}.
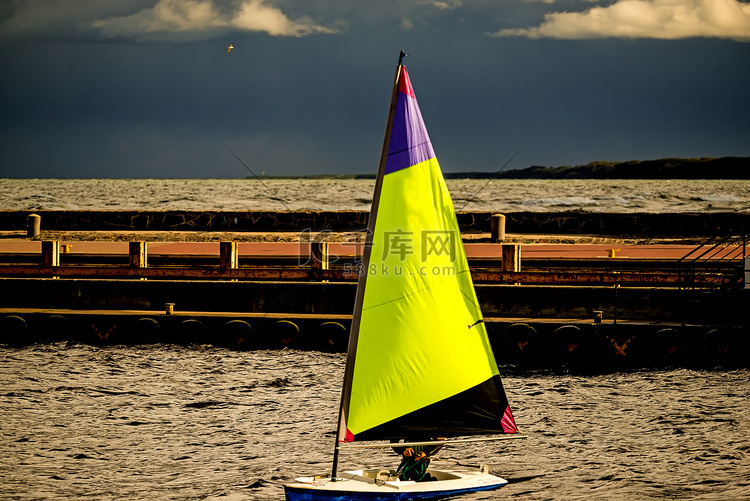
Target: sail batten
{"type": "Point", "coordinates": [419, 361]}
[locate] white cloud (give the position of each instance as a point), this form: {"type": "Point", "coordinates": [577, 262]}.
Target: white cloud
{"type": "Point", "coordinates": [664, 19]}
{"type": "Point", "coordinates": [407, 24]}
{"type": "Point", "coordinates": [165, 16]}
{"type": "Point", "coordinates": [202, 19]}
{"type": "Point", "coordinates": [442, 4]}
{"type": "Point", "coordinates": [255, 15]}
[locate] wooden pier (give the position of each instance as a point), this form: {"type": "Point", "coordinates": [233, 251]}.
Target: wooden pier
{"type": "Point", "coordinates": [546, 305]}
{"type": "Point", "coordinates": [551, 264]}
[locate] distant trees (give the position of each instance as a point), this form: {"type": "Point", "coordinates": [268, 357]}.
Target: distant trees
{"type": "Point", "coordinates": [665, 168]}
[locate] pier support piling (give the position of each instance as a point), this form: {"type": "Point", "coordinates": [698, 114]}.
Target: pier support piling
{"type": "Point", "coordinates": [318, 257]}
{"type": "Point", "coordinates": [598, 316]}
{"type": "Point", "coordinates": [498, 228]}
{"type": "Point", "coordinates": [33, 225]}
{"type": "Point", "coordinates": [51, 253]}
{"type": "Point", "coordinates": [228, 257]}
{"type": "Point", "coordinates": [138, 254]}
{"type": "Point", "coordinates": [511, 257]}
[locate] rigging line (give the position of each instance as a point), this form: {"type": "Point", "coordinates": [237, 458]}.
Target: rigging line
{"type": "Point", "coordinates": [457, 463]}
{"type": "Point", "coordinates": [412, 147]}
{"type": "Point", "coordinates": [480, 321]}
{"type": "Point", "coordinates": [476, 305]}
{"type": "Point", "coordinates": [414, 293]}
{"type": "Point", "coordinates": [275, 196]}
{"type": "Point", "coordinates": [492, 178]}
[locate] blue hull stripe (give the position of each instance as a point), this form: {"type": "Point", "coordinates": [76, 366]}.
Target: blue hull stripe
{"type": "Point", "coordinates": [298, 494]}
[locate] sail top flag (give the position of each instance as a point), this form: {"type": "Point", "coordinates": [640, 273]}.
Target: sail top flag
{"type": "Point", "coordinates": [409, 143]}
{"type": "Point", "coordinates": [419, 362]}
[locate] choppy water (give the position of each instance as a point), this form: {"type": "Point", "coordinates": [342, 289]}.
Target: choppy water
{"type": "Point", "coordinates": [166, 422]}
{"type": "Point", "coordinates": [332, 194]}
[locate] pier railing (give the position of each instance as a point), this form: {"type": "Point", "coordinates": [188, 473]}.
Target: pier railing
{"type": "Point", "coordinates": [719, 262]}
{"type": "Point", "coordinates": [643, 316]}
{"type": "Point", "coordinates": [716, 265]}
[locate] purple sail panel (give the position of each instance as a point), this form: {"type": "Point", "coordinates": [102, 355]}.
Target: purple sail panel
{"type": "Point", "coordinates": [410, 144]}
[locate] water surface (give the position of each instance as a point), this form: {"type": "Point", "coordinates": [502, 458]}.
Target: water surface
{"type": "Point", "coordinates": [182, 423]}
{"type": "Point", "coordinates": [595, 195]}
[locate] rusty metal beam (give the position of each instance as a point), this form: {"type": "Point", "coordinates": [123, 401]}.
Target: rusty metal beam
{"type": "Point", "coordinates": [599, 278]}
{"type": "Point", "coordinates": [254, 273]}
{"type": "Point", "coordinates": [481, 275]}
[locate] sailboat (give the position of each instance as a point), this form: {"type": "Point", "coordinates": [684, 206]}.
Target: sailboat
{"type": "Point", "coordinates": [419, 363]}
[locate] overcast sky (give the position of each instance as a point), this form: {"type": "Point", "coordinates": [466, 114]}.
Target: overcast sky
{"type": "Point", "coordinates": [146, 89]}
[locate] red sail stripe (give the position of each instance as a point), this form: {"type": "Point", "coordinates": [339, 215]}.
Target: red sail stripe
{"type": "Point", "coordinates": [507, 422]}
{"type": "Point", "coordinates": [404, 84]}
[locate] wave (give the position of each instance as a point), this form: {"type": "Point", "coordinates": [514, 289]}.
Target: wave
{"type": "Point", "coordinates": [657, 196]}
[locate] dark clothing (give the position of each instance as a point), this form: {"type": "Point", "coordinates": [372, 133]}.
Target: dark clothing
{"type": "Point", "coordinates": [414, 465]}
{"type": "Point", "coordinates": [415, 469]}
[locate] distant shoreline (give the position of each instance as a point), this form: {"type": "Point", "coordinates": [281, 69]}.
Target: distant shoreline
{"type": "Point", "coordinates": [665, 168]}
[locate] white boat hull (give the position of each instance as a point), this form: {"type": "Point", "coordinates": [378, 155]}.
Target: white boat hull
{"type": "Point", "coordinates": [380, 485]}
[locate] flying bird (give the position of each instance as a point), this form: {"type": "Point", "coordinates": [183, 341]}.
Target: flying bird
{"type": "Point", "coordinates": [229, 49]}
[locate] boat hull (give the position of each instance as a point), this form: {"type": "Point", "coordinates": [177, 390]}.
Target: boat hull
{"type": "Point", "coordinates": [372, 485]}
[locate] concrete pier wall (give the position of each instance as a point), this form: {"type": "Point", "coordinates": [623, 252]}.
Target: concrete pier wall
{"type": "Point", "coordinates": [518, 344]}
{"type": "Point", "coordinates": [530, 327]}
{"type": "Point", "coordinates": [559, 223]}
{"type": "Point", "coordinates": [337, 298]}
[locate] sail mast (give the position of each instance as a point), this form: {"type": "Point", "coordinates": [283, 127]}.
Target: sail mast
{"type": "Point", "coordinates": [356, 317]}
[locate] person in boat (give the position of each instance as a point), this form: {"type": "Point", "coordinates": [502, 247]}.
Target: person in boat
{"type": "Point", "coordinates": [415, 460]}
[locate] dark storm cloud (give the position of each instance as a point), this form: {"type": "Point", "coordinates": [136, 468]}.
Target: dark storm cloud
{"type": "Point", "coordinates": [146, 89]}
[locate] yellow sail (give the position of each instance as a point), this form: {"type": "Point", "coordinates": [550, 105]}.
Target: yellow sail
{"type": "Point", "coordinates": [420, 363]}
